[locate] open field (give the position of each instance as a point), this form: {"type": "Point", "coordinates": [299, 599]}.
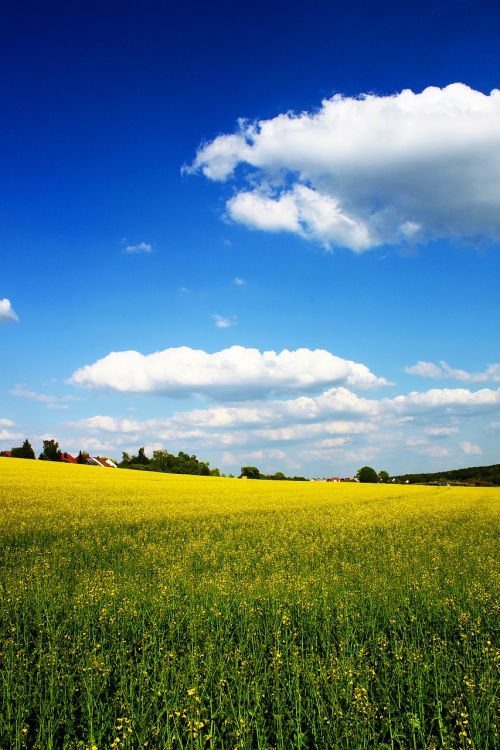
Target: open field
{"type": "Point", "coordinates": [160, 611]}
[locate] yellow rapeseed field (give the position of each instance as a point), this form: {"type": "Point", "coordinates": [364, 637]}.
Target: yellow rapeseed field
{"type": "Point", "coordinates": [144, 610]}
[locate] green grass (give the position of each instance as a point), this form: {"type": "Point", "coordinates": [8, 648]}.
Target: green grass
{"type": "Point", "coordinates": [259, 617]}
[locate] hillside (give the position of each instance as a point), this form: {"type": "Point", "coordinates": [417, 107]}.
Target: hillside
{"type": "Point", "coordinates": [473, 475]}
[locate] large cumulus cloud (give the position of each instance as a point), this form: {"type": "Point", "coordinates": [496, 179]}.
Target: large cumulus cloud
{"type": "Point", "coordinates": [361, 172]}
{"type": "Point", "coordinates": [236, 373]}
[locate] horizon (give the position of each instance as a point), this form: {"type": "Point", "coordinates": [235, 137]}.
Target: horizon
{"type": "Point", "coordinates": [265, 236]}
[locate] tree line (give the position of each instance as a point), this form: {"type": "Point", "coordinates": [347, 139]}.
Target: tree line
{"type": "Point", "coordinates": [168, 463]}
{"type": "Point", "coordinates": [252, 472]}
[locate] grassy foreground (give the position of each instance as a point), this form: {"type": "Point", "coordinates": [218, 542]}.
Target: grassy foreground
{"type": "Point", "coordinates": [159, 611]}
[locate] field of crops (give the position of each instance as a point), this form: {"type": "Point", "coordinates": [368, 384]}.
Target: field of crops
{"type": "Point", "coordinates": [159, 611]}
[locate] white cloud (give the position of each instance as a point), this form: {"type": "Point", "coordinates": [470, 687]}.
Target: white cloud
{"type": "Point", "coordinates": [435, 451]}
{"type": "Point", "coordinates": [239, 281]}
{"type": "Point", "coordinates": [330, 443]}
{"type": "Point", "coordinates": [471, 449]}
{"type": "Point", "coordinates": [443, 370]}
{"type": "Point", "coordinates": [424, 370]}
{"type": "Point", "coordinates": [9, 435]}
{"type": "Point", "coordinates": [235, 373]}
{"type": "Point", "coordinates": [141, 247]}
{"type": "Point", "coordinates": [448, 400]}
{"type": "Point", "coordinates": [414, 441]}
{"type": "Point", "coordinates": [7, 314]}
{"type": "Point", "coordinates": [52, 402]}
{"type": "Point", "coordinates": [440, 431]}
{"type": "Point", "coordinates": [360, 172]}
{"type": "Point", "coordinates": [222, 322]}
{"type": "Point", "coordinates": [258, 211]}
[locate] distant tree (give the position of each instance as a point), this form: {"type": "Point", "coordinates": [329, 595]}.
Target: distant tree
{"type": "Point", "coordinates": [383, 476]}
{"type": "Point", "coordinates": [279, 476]}
{"type": "Point", "coordinates": [141, 458]}
{"type": "Point", "coordinates": [367, 474]}
{"type": "Point", "coordinates": [25, 451]}
{"type": "Point", "coordinates": [162, 461]}
{"type": "Point", "coordinates": [250, 471]}
{"type": "Point", "coordinates": [82, 458]}
{"type": "Point", "coordinates": [50, 451]}
{"type": "Point", "coordinates": [126, 460]}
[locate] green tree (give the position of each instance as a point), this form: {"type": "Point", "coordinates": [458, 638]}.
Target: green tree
{"type": "Point", "coordinates": [383, 476]}
{"type": "Point", "coordinates": [279, 476]}
{"type": "Point", "coordinates": [82, 458]}
{"type": "Point", "coordinates": [25, 451]}
{"type": "Point", "coordinates": [141, 458]}
{"type": "Point", "coordinates": [250, 471]}
{"type": "Point", "coordinates": [50, 451]}
{"type": "Point", "coordinates": [367, 474]}
{"type": "Point", "coordinates": [162, 461]}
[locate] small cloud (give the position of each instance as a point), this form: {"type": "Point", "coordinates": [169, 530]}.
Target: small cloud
{"type": "Point", "coordinates": [6, 435]}
{"type": "Point", "coordinates": [7, 314]}
{"type": "Point", "coordinates": [239, 281]}
{"type": "Point", "coordinates": [471, 449]}
{"type": "Point", "coordinates": [331, 443]}
{"type": "Point", "coordinates": [440, 431]}
{"type": "Point", "coordinates": [436, 452]}
{"type": "Point", "coordinates": [51, 402]}
{"type": "Point", "coordinates": [443, 370]}
{"type": "Point", "coordinates": [222, 322]}
{"type": "Point", "coordinates": [141, 247]}
{"type": "Point", "coordinates": [424, 370]}
{"type": "Point", "coordinates": [414, 441]}
{"type": "Point", "coordinates": [184, 290]}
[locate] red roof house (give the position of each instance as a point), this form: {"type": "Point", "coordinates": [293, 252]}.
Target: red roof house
{"type": "Point", "coordinates": [67, 458]}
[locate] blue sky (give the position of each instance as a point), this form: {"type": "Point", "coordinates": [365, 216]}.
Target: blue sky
{"type": "Point", "coordinates": [354, 239]}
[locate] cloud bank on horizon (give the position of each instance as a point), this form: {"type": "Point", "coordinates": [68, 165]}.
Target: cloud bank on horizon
{"type": "Point", "coordinates": [367, 171]}
{"type": "Point", "coordinates": [335, 426]}
{"type": "Point", "coordinates": [288, 407]}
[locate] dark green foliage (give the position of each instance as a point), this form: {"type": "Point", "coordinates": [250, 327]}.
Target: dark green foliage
{"type": "Point", "coordinates": [50, 451]}
{"type": "Point", "coordinates": [383, 476]}
{"type": "Point", "coordinates": [167, 463]}
{"type": "Point", "coordinates": [141, 458]}
{"type": "Point", "coordinates": [367, 474]}
{"type": "Point", "coordinates": [251, 472]}
{"type": "Point", "coordinates": [25, 451]}
{"type": "Point", "coordinates": [82, 458]}
{"type": "Point", "coordinates": [280, 477]}
{"type": "Point", "coordinates": [474, 475]}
